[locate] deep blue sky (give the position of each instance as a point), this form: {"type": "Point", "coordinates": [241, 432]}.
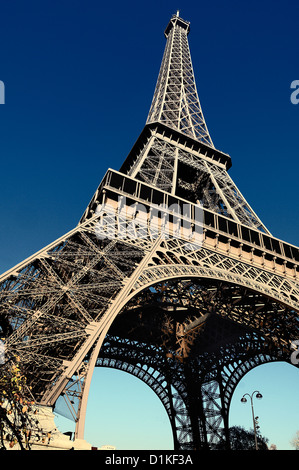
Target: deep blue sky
{"type": "Point", "coordinates": [79, 79]}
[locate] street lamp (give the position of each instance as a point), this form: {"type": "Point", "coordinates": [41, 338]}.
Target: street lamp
{"type": "Point", "coordinates": [254, 419]}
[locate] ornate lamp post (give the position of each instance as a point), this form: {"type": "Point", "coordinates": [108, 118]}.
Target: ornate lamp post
{"type": "Point", "coordinates": [243, 400]}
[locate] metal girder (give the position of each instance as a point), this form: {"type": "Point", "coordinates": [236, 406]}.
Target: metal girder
{"type": "Point", "coordinates": [164, 164]}
{"type": "Point", "coordinates": [175, 100]}
{"type": "Point", "coordinates": [220, 353]}
{"type": "Point", "coordinates": [88, 279]}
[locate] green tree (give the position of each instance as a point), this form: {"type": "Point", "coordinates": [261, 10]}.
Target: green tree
{"type": "Point", "coordinates": [240, 439]}
{"type": "Point", "coordinates": [295, 441]}
{"type": "Point", "coordinates": [17, 412]}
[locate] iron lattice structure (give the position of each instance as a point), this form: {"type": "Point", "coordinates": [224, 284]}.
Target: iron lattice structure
{"type": "Point", "coordinates": [169, 275]}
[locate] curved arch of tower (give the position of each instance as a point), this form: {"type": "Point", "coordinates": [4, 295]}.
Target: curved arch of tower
{"type": "Point", "coordinates": [169, 275]}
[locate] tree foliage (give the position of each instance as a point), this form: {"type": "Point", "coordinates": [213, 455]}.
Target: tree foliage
{"type": "Point", "coordinates": [17, 411]}
{"type": "Point", "coordinates": [295, 441]}
{"type": "Point", "coordinates": [240, 439]}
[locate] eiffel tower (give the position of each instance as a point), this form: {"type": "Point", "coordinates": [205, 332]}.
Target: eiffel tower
{"type": "Point", "coordinates": [169, 275]}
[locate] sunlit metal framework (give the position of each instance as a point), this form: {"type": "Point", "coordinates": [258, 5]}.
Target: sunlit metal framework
{"type": "Point", "coordinates": [169, 275]}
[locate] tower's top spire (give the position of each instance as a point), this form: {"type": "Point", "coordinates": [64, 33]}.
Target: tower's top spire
{"type": "Point", "coordinates": [177, 20]}
{"type": "Point", "coordinates": [175, 101]}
